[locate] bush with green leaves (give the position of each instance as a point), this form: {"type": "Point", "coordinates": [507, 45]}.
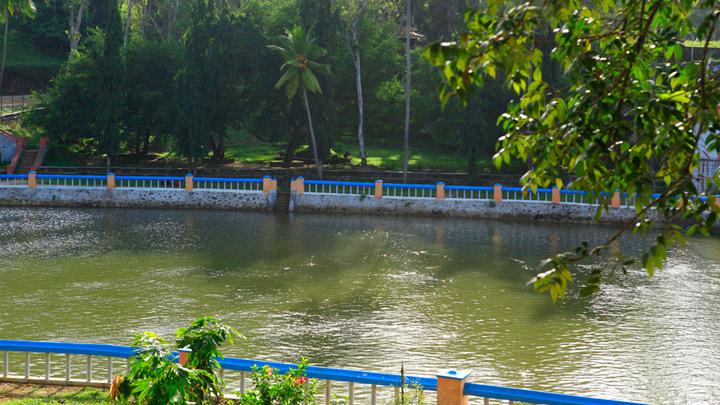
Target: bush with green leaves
{"type": "Point", "coordinates": [271, 387]}
{"type": "Point", "coordinates": [155, 377]}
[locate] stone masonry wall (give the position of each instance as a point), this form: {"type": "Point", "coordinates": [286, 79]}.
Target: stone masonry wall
{"type": "Point", "coordinates": [136, 198]}
{"type": "Point", "coordinates": [457, 208]}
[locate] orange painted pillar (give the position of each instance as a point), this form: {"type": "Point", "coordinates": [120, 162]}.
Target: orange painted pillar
{"type": "Point", "coordinates": [440, 190]}
{"type": "Point", "coordinates": [188, 182]}
{"type": "Point", "coordinates": [378, 189]}
{"type": "Point", "coordinates": [497, 193]}
{"type": "Point", "coordinates": [450, 386]}
{"type": "Point", "coordinates": [615, 200]}
{"type": "Point", "coordinates": [274, 184]}
{"type": "Point", "coordinates": [111, 181]}
{"type": "Point", "coordinates": [32, 179]}
{"type": "Point", "coordinates": [184, 356]}
{"type": "Point", "coordinates": [555, 195]}
{"type": "Point", "coordinates": [267, 184]}
{"type": "Point", "coordinates": [292, 185]}
{"type": "Point", "coordinates": [300, 185]}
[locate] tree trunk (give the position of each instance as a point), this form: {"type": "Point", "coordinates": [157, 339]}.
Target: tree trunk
{"type": "Point", "coordinates": [318, 162]}
{"type": "Point", "coordinates": [146, 143]}
{"type": "Point", "coordinates": [355, 54]}
{"type": "Point", "coordinates": [361, 113]}
{"type": "Point", "coordinates": [128, 22]}
{"type": "Point", "coordinates": [74, 28]}
{"type": "Point", "coordinates": [408, 88]}
{"type": "Point", "coordinates": [4, 52]}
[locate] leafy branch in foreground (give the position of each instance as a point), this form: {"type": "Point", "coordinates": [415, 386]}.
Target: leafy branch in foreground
{"type": "Point", "coordinates": [632, 113]}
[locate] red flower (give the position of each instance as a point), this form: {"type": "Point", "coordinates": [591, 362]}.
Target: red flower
{"type": "Point", "coordinates": [268, 371]}
{"type": "Point", "coordinates": [299, 380]}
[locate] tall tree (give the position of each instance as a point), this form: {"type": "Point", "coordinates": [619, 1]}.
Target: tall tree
{"type": "Point", "coordinates": [356, 11]}
{"type": "Point", "coordinates": [76, 11]}
{"type": "Point", "coordinates": [632, 114]}
{"type": "Point", "coordinates": [408, 89]}
{"type": "Point", "coordinates": [111, 98]}
{"type": "Point", "coordinates": [300, 52]}
{"type": "Point", "coordinates": [128, 21]}
{"type": "Point", "coordinates": [11, 8]}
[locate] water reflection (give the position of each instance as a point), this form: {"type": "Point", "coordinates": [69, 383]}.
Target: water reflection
{"type": "Point", "coordinates": [370, 292]}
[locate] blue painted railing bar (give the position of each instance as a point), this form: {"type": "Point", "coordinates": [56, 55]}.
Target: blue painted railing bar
{"type": "Point", "coordinates": [320, 373]}
{"type": "Point", "coordinates": [340, 183]}
{"type": "Point", "coordinates": [151, 178]}
{"type": "Point", "coordinates": [470, 188]}
{"type": "Point", "coordinates": [13, 176]}
{"type": "Point", "coordinates": [412, 186]}
{"type": "Point", "coordinates": [228, 180]}
{"type": "Point", "coordinates": [71, 176]}
{"type": "Point", "coordinates": [535, 397]}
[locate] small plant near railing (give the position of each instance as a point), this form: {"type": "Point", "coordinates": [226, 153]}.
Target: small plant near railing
{"type": "Point", "coordinates": [155, 378]}
{"type": "Point", "coordinates": [273, 388]}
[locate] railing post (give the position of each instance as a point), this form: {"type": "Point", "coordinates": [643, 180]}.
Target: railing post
{"type": "Point", "coordinates": [273, 185]}
{"type": "Point", "coordinates": [111, 181]}
{"type": "Point", "coordinates": [267, 184]}
{"type": "Point", "coordinates": [497, 193]}
{"type": "Point", "coordinates": [32, 179]}
{"type": "Point", "coordinates": [300, 185]}
{"type": "Point", "coordinates": [188, 182]}
{"type": "Point", "coordinates": [378, 189]}
{"type": "Point", "coordinates": [450, 386]}
{"type": "Point", "coordinates": [440, 190]}
{"type": "Point", "coordinates": [292, 185]}
{"type": "Point", "coordinates": [615, 200]}
{"type": "Point", "coordinates": [555, 195]}
{"type": "Point", "coordinates": [184, 356]}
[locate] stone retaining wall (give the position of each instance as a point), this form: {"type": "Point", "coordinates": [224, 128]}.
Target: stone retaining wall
{"type": "Point", "coordinates": [457, 208]}
{"type": "Point", "coordinates": [136, 198]}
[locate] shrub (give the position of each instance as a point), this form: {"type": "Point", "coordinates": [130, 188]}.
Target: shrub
{"type": "Point", "coordinates": [272, 388]}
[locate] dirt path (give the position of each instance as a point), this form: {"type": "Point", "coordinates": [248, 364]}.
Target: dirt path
{"type": "Point", "coordinates": [50, 394]}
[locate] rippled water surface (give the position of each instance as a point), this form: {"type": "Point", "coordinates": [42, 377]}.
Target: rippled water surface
{"type": "Point", "coordinates": [368, 292]}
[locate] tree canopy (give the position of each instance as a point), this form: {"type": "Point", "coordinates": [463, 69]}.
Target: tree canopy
{"type": "Point", "coordinates": [631, 115]}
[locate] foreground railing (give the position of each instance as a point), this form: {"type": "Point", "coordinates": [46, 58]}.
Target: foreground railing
{"type": "Point", "coordinates": [440, 191]}
{"type": "Point", "coordinates": [94, 365]}
{"type": "Point", "coordinates": [112, 181]}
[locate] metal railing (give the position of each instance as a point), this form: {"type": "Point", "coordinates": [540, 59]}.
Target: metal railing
{"type": "Point", "coordinates": [227, 184]}
{"type": "Point", "coordinates": [153, 182]}
{"type": "Point", "coordinates": [13, 180]}
{"type": "Point", "coordinates": [527, 194]}
{"type": "Point", "coordinates": [400, 190]}
{"type": "Point", "coordinates": [339, 187]}
{"type": "Point", "coordinates": [94, 365]}
{"type": "Point", "coordinates": [71, 181]}
{"type": "Point", "coordinates": [469, 192]}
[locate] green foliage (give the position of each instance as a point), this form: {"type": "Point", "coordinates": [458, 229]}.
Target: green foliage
{"type": "Point", "coordinates": [111, 91]}
{"type": "Point", "coordinates": [271, 387]}
{"type": "Point", "coordinates": [300, 52]}
{"type": "Point", "coordinates": [156, 378]}
{"type": "Point", "coordinates": [629, 118]}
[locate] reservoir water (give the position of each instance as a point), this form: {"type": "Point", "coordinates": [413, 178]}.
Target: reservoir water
{"type": "Point", "coordinates": [370, 292]}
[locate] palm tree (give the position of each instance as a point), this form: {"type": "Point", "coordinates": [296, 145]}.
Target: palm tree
{"type": "Point", "coordinates": [299, 51]}
{"type": "Point", "coordinates": [10, 8]}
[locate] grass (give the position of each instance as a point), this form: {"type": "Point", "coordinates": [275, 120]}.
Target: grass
{"type": "Point", "coordinates": [246, 149]}
{"type": "Point", "coordinates": [24, 53]}
{"type": "Point", "coordinates": [11, 394]}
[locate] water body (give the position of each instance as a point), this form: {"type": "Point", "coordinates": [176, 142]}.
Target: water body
{"type": "Point", "coordinates": [369, 292]}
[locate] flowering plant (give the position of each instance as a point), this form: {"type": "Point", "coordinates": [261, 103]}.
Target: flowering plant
{"type": "Point", "coordinates": [271, 387]}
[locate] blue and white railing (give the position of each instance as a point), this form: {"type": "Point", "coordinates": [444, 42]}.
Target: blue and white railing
{"type": "Point", "coordinates": [95, 365]}
{"type": "Point", "coordinates": [112, 181]}
{"type": "Point", "coordinates": [440, 191]}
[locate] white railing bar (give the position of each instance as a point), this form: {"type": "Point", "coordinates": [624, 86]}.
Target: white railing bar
{"type": "Point", "coordinates": [351, 389]}
{"type": "Point", "coordinates": [110, 370]}
{"type": "Point", "coordinates": [373, 394]}
{"type": "Point", "coordinates": [89, 368]}
{"type": "Point", "coordinates": [67, 367]}
{"type": "Point", "coordinates": [47, 366]}
{"type": "Point", "coordinates": [242, 382]}
{"type": "Point", "coordinates": [328, 385]}
{"type": "Point", "coordinates": [27, 365]}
